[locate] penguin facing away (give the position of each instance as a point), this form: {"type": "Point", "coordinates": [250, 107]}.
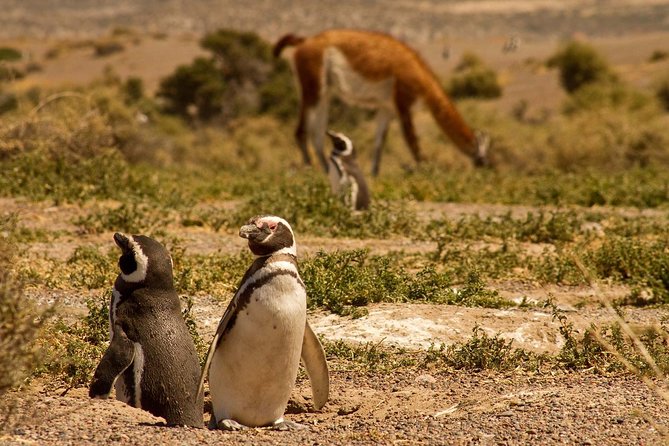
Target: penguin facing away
{"type": "Point", "coordinates": [151, 359]}
{"type": "Point", "coordinates": [346, 178]}
{"type": "Point", "coordinates": [254, 357]}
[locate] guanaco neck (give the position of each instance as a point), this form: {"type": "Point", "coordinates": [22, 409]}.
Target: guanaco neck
{"type": "Point", "coordinates": [448, 118]}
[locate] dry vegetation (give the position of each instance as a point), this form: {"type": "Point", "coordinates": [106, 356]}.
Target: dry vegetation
{"type": "Point", "coordinates": [591, 181]}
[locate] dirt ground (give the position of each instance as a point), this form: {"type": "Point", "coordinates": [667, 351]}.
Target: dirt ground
{"type": "Point", "coordinates": [407, 406]}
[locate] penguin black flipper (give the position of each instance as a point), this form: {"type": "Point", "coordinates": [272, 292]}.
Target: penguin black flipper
{"type": "Point", "coordinates": [313, 357]}
{"type": "Point", "coordinates": [116, 360]}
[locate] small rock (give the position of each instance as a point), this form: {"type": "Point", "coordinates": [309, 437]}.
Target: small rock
{"type": "Point", "coordinates": [347, 410]}
{"type": "Point", "coordinates": [426, 379]}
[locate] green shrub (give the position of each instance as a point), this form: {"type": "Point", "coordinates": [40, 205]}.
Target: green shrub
{"type": "Point", "coordinates": [580, 64]}
{"type": "Point", "coordinates": [20, 325]}
{"type": "Point", "coordinates": [370, 356]}
{"type": "Point", "coordinates": [469, 61]}
{"type": "Point", "coordinates": [240, 78]}
{"type": "Point", "coordinates": [491, 261]}
{"type": "Point", "coordinates": [580, 353]}
{"type": "Point", "coordinates": [216, 273]}
{"type": "Point", "coordinates": [199, 86]}
{"type": "Point", "coordinates": [131, 218]}
{"type": "Point", "coordinates": [636, 262]}
{"type": "Point", "coordinates": [658, 55]}
{"type": "Point", "coordinates": [479, 82]}
{"type": "Point", "coordinates": [90, 269]}
{"type": "Point", "coordinates": [561, 266]}
{"type": "Point", "coordinates": [8, 102]}
{"type": "Point", "coordinates": [599, 95]}
{"type": "Point", "coordinates": [662, 92]}
{"type": "Point", "coordinates": [473, 79]}
{"type": "Point", "coordinates": [133, 89]}
{"type": "Point", "coordinates": [483, 352]}
{"type": "Point", "coordinates": [542, 227]}
{"type": "Point", "coordinates": [8, 54]}
{"type": "Point", "coordinates": [73, 350]}
{"type": "Point", "coordinates": [344, 281]}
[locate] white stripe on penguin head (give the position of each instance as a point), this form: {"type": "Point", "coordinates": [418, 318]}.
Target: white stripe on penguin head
{"type": "Point", "coordinates": [276, 220]}
{"type": "Point", "coordinates": [141, 260]}
{"type": "Point", "coordinates": [347, 142]}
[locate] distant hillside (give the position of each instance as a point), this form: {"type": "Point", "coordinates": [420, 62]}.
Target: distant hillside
{"type": "Point", "coordinates": [417, 20]}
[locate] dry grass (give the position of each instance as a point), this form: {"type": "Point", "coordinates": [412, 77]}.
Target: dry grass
{"type": "Point", "coordinates": [20, 327]}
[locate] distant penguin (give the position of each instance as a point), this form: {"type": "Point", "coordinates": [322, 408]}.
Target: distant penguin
{"type": "Point", "coordinates": [254, 356]}
{"type": "Point", "coordinates": [151, 359]}
{"type": "Point", "coordinates": [346, 179]}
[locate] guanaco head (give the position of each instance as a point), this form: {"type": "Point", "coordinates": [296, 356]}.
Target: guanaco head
{"type": "Point", "coordinates": [482, 145]}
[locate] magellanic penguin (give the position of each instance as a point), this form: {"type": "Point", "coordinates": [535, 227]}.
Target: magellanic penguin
{"type": "Point", "coordinates": [254, 356]}
{"type": "Point", "coordinates": [346, 179]}
{"type": "Point", "coordinates": [151, 359]}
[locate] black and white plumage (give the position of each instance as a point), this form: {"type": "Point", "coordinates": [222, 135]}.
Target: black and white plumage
{"type": "Point", "coordinates": [346, 178]}
{"type": "Point", "coordinates": [151, 359]}
{"type": "Point", "coordinates": [254, 356]}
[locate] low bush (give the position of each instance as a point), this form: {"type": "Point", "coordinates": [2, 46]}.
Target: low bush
{"type": "Point", "coordinates": [8, 54]}
{"type": "Point", "coordinates": [345, 281]}
{"type": "Point", "coordinates": [662, 92]}
{"type": "Point", "coordinates": [240, 78]}
{"type": "Point", "coordinates": [483, 352]}
{"type": "Point", "coordinates": [474, 80]}
{"type": "Point", "coordinates": [579, 65]}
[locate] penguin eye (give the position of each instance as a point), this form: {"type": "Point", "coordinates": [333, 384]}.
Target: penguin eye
{"type": "Point", "coordinates": [271, 225]}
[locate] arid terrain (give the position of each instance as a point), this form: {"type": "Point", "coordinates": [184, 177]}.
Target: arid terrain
{"type": "Point", "coordinates": [411, 405]}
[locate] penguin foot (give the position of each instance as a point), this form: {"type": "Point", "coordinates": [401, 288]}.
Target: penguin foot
{"type": "Point", "coordinates": [285, 425]}
{"type": "Point", "coordinates": [229, 425]}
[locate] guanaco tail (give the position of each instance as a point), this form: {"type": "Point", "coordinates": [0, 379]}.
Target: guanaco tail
{"type": "Point", "coordinates": [373, 70]}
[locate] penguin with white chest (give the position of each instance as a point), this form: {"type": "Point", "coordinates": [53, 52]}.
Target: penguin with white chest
{"type": "Point", "coordinates": [151, 359]}
{"type": "Point", "coordinates": [346, 178]}
{"type": "Point", "coordinates": [254, 357]}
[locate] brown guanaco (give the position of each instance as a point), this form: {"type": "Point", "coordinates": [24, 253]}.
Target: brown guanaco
{"type": "Point", "coordinates": [374, 70]}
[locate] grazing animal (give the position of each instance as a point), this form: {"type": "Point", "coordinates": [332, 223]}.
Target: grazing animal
{"type": "Point", "coordinates": [346, 178]}
{"type": "Point", "coordinates": [151, 359]}
{"type": "Point", "coordinates": [254, 356]}
{"type": "Point", "coordinates": [371, 69]}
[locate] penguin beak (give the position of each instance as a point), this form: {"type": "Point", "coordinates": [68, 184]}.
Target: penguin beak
{"type": "Point", "coordinates": [249, 232]}
{"type": "Point", "coordinates": [122, 242]}
{"type": "Point", "coordinates": [254, 233]}
{"type": "Point", "coordinates": [333, 135]}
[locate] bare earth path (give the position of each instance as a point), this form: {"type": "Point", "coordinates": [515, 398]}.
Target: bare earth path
{"type": "Point", "coordinates": [457, 408]}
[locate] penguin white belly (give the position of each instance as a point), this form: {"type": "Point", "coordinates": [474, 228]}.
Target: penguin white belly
{"type": "Point", "coordinates": [254, 368]}
{"type": "Point", "coordinates": [335, 176]}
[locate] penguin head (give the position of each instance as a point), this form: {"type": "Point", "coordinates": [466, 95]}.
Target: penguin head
{"type": "Point", "coordinates": [268, 234]}
{"type": "Point", "coordinates": [144, 261]}
{"type": "Point", "coordinates": [342, 146]}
